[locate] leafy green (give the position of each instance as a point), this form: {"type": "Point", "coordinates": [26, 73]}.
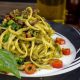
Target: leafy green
{"type": "Point", "coordinates": [15, 26]}
{"type": "Point", "coordinates": [8, 63]}
{"type": "Point", "coordinates": [6, 37]}
{"type": "Point", "coordinates": [10, 22]}
{"type": "Point", "coordinates": [5, 25]}
{"type": "Point", "coordinates": [58, 51]}
{"type": "Point", "coordinates": [18, 17]}
{"type": "Point", "coordinates": [19, 60]}
{"type": "Point", "coordinates": [58, 48]}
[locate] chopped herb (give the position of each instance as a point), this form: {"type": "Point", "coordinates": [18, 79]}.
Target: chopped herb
{"type": "Point", "coordinates": [10, 22]}
{"type": "Point", "coordinates": [4, 25]}
{"type": "Point", "coordinates": [15, 26]}
{"type": "Point", "coordinates": [6, 37]}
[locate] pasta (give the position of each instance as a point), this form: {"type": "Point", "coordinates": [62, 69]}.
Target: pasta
{"type": "Point", "coordinates": [28, 35]}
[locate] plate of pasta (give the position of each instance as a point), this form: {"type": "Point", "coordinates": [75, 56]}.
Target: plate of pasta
{"type": "Point", "coordinates": [37, 48]}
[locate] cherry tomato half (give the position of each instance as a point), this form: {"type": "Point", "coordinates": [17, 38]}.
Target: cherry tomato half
{"type": "Point", "coordinates": [60, 41]}
{"type": "Point", "coordinates": [56, 63]}
{"type": "Point", "coordinates": [66, 51]}
{"type": "Point", "coordinates": [30, 68]}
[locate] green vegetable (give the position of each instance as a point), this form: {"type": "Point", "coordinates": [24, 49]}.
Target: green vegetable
{"type": "Point", "coordinates": [10, 22]}
{"type": "Point", "coordinates": [15, 26]}
{"type": "Point", "coordinates": [4, 25]}
{"type": "Point", "coordinates": [19, 60]}
{"type": "Point", "coordinates": [58, 52]}
{"type": "Point", "coordinates": [6, 37]}
{"type": "Point", "coordinates": [8, 63]}
{"type": "Point", "coordinates": [18, 17]}
{"type": "Point", "coordinates": [58, 48]}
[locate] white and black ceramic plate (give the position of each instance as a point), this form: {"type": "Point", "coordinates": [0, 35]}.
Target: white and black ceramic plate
{"type": "Point", "coordinates": [73, 35]}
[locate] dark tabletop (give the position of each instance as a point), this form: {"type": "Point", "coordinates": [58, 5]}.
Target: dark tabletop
{"type": "Point", "coordinates": [6, 7]}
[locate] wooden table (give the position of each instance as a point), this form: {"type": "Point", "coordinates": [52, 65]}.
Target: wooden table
{"type": "Point", "coordinates": [6, 7]}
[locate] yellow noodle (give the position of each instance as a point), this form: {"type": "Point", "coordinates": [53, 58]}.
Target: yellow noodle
{"type": "Point", "coordinates": [24, 47]}
{"type": "Point", "coordinates": [18, 48]}
{"type": "Point", "coordinates": [47, 43]}
{"type": "Point", "coordinates": [27, 39]}
{"type": "Point", "coordinates": [41, 66]}
{"type": "Point", "coordinates": [1, 37]}
{"type": "Point", "coordinates": [43, 21]}
{"type": "Point", "coordinates": [10, 41]}
{"type": "Point", "coordinates": [13, 32]}
{"type": "Point", "coordinates": [30, 9]}
{"type": "Point", "coordinates": [27, 24]}
{"type": "Point", "coordinates": [42, 30]}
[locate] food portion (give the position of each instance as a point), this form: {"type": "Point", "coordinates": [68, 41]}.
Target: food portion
{"type": "Point", "coordinates": [66, 51]}
{"type": "Point", "coordinates": [27, 36]}
{"type": "Point", "coordinates": [60, 41]}
{"type": "Point", "coordinates": [56, 63]}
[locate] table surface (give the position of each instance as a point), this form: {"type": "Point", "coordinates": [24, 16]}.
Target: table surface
{"type": "Point", "coordinates": [6, 7]}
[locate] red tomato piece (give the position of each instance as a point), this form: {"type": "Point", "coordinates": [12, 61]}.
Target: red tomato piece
{"type": "Point", "coordinates": [56, 63]}
{"type": "Point", "coordinates": [60, 41]}
{"type": "Point", "coordinates": [66, 51]}
{"type": "Point", "coordinates": [30, 68]}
